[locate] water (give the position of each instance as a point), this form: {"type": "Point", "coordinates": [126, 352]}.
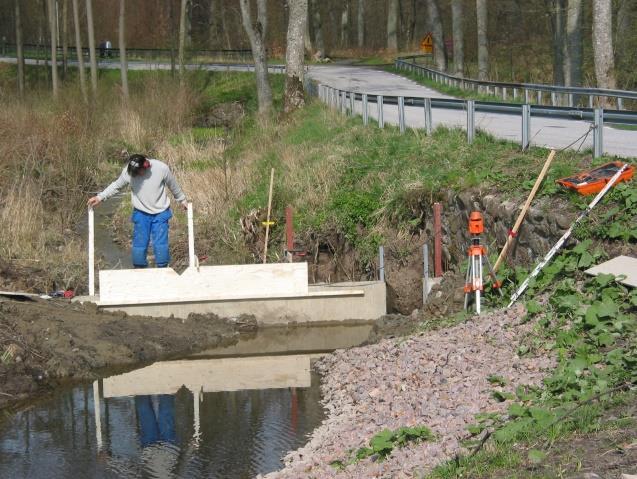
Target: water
{"type": "Point", "coordinates": [227, 413]}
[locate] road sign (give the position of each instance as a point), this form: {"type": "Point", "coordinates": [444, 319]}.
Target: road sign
{"type": "Point", "coordinates": [427, 44]}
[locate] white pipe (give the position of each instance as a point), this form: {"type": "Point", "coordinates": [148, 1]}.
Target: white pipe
{"type": "Point", "coordinates": [97, 412]}
{"type": "Point", "coordinates": [197, 398]}
{"type": "Point", "coordinates": [191, 238]}
{"type": "Point", "coordinates": [91, 252]}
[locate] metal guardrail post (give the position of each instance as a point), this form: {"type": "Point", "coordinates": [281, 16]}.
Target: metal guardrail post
{"type": "Point", "coordinates": [515, 93]}
{"type": "Point", "coordinates": [364, 109]}
{"type": "Point", "coordinates": [401, 113]}
{"type": "Point", "coordinates": [352, 99]}
{"type": "Point", "coordinates": [526, 127]}
{"type": "Point", "coordinates": [428, 121]}
{"type": "Point", "coordinates": [379, 103]}
{"type": "Point", "coordinates": [526, 96]}
{"type": "Point", "coordinates": [504, 93]}
{"type": "Point", "coordinates": [598, 137]}
{"type": "Point", "coordinates": [344, 103]}
{"type": "Point", "coordinates": [571, 100]}
{"type": "Point", "coordinates": [590, 101]}
{"type": "Point", "coordinates": [471, 120]}
{"type": "Point", "coordinates": [381, 263]}
{"type": "Point", "coordinates": [553, 98]}
{"type": "Point", "coordinates": [620, 103]}
{"type": "Point", "coordinates": [539, 97]}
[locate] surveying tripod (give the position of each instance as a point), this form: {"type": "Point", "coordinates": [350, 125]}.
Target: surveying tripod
{"type": "Point", "coordinates": [477, 251]}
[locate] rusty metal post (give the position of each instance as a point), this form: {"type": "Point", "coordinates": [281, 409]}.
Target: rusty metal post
{"type": "Point", "coordinates": [437, 240]}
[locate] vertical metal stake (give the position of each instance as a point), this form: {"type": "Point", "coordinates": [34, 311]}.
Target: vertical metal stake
{"type": "Point", "coordinates": [425, 274]}
{"type": "Point", "coordinates": [526, 127]}
{"type": "Point", "coordinates": [598, 137]}
{"type": "Point", "coordinates": [379, 102]}
{"type": "Point", "coordinates": [401, 113]}
{"type": "Point", "coordinates": [437, 240]}
{"type": "Point", "coordinates": [428, 122]}
{"type": "Point", "coordinates": [191, 239]}
{"type": "Point", "coordinates": [364, 110]}
{"type": "Point", "coordinates": [381, 263]}
{"type": "Point", "coordinates": [471, 124]}
{"type": "Point", "coordinates": [97, 411]}
{"type": "Point", "coordinates": [91, 251]}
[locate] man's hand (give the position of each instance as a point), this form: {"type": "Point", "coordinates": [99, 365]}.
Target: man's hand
{"type": "Point", "coordinates": [94, 201]}
{"type": "Point", "coordinates": [184, 205]}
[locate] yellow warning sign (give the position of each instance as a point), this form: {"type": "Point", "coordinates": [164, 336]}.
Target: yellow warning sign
{"type": "Point", "coordinates": [427, 44]}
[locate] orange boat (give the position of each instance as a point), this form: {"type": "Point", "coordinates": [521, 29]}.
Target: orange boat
{"type": "Point", "coordinates": [592, 181]}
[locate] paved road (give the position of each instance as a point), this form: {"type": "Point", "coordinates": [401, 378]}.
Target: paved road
{"type": "Point", "coordinates": [547, 132]}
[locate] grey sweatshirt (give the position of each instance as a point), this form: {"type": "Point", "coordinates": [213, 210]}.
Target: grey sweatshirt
{"type": "Point", "coordinates": [148, 189]}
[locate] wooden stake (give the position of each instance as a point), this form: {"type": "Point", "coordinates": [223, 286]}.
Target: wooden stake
{"type": "Point", "coordinates": [267, 223]}
{"type": "Point", "coordinates": [522, 214]}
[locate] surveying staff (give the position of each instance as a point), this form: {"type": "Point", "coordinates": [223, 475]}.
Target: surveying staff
{"type": "Point", "coordinates": [148, 179]}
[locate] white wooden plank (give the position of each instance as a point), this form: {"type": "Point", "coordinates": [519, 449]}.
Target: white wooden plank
{"type": "Point", "coordinates": [160, 285]}
{"type": "Point", "coordinates": [619, 266]}
{"type": "Point", "coordinates": [225, 374]}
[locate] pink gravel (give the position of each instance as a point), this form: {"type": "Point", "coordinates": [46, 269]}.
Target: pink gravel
{"type": "Point", "coordinates": [437, 379]}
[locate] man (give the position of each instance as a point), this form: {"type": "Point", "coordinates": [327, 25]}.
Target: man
{"type": "Point", "coordinates": [148, 179]}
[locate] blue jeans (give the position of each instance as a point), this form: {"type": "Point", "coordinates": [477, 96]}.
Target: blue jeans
{"type": "Point", "coordinates": [156, 427]}
{"type": "Point", "coordinates": [147, 227]}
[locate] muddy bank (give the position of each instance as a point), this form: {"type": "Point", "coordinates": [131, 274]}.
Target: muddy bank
{"type": "Point", "coordinates": [437, 379]}
{"type": "Point", "coordinates": [43, 344]}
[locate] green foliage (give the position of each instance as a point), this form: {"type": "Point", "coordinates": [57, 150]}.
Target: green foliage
{"type": "Point", "coordinates": [620, 221]}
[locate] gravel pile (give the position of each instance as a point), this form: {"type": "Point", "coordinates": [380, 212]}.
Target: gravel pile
{"type": "Point", "coordinates": [437, 379]}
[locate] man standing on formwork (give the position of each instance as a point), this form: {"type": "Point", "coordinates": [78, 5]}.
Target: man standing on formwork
{"type": "Point", "coordinates": [148, 179]}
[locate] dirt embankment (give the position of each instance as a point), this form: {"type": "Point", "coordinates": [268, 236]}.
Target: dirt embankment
{"type": "Point", "coordinates": [45, 343]}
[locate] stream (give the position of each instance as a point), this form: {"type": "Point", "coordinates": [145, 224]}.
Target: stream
{"type": "Point", "coordinates": [231, 412]}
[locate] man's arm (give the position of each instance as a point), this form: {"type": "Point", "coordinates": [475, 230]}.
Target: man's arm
{"type": "Point", "coordinates": [112, 189]}
{"type": "Point", "coordinates": [171, 182]}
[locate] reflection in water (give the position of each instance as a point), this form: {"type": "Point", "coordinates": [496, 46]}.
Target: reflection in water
{"type": "Point", "coordinates": [227, 417]}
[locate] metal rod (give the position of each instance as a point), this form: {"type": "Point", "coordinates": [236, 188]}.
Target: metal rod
{"type": "Point", "coordinates": [191, 239]}
{"type": "Point", "coordinates": [91, 251]}
{"type": "Point", "coordinates": [364, 110]}
{"type": "Point", "coordinates": [97, 413]}
{"type": "Point", "coordinates": [428, 121]}
{"type": "Point", "coordinates": [471, 123]}
{"type": "Point", "coordinates": [598, 136]}
{"type": "Point", "coordinates": [425, 272]}
{"type": "Point", "coordinates": [526, 127]}
{"type": "Point", "coordinates": [381, 120]}
{"type": "Point", "coordinates": [381, 263]}
{"type": "Point", "coordinates": [401, 113]}
{"type": "Point", "coordinates": [289, 233]}
{"type": "Point", "coordinates": [437, 240]}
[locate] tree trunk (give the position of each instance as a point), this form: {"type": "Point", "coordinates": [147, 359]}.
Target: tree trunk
{"type": "Point", "coordinates": [294, 94]}
{"type": "Point", "coordinates": [412, 24]}
{"type": "Point", "coordinates": [78, 50]}
{"type": "Point", "coordinates": [65, 36]}
{"type": "Point", "coordinates": [392, 25]}
{"type": "Point", "coordinates": [319, 42]}
{"type": "Point", "coordinates": [483, 42]}
{"type": "Point", "coordinates": [19, 51]}
{"type": "Point", "coordinates": [256, 31]}
{"type": "Point", "coordinates": [345, 25]}
{"type": "Point", "coordinates": [91, 45]}
{"type": "Point", "coordinates": [557, 27]}
{"type": "Point", "coordinates": [440, 54]}
{"type": "Point", "coordinates": [213, 24]}
{"type": "Point", "coordinates": [625, 19]}
{"type": "Point", "coordinates": [54, 47]}
{"type": "Point", "coordinates": [182, 39]}
{"type": "Point", "coordinates": [360, 24]}
{"type": "Point", "coordinates": [307, 36]}
{"type": "Point", "coordinates": [123, 65]}
{"type": "Point", "coordinates": [603, 43]}
{"type": "Point", "coordinates": [573, 60]}
{"type": "Point", "coordinates": [458, 37]}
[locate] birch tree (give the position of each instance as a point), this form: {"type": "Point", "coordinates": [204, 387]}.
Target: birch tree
{"type": "Point", "coordinates": [78, 50]}
{"type": "Point", "coordinates": [392, 25]}
{"type": "Point", "coordinates": [345, 24]}
{"type": "Point", "coordinates": [91, 45]}
{"type": "Point", "coordinates": [65, 36]}
{"type": "Point", "coordinates": [458, 37]}
{"type": "Point", "coordinates": [256, 30]}
{"type": "Point", "coordinates": [19, 50]}
{"type": "Point", "coordinates": [54, 46]}
{"type": "Point", "coordinates": [294, 94]}
{"type": "Point", "coordinates": [573, 60]}
{"type": "Point", "coordinates": [603, 43]}
{"type": "Point", "coordinates": [440, 55]}
{"type": "Point", "coordinates": [123, 65]}
{"type": "Point", "coordinates": [483, 43]}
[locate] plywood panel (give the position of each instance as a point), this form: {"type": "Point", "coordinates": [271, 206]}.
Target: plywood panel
{"type": "Point", "coordinates": [619, 266]}
{"type": "Point", "coordinates": [226, 374]}
{"type": "Point", "coordinates": [160, 285]}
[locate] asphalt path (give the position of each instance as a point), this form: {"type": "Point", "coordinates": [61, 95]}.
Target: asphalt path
{"type": "Point", "coordinates": [545, 132]}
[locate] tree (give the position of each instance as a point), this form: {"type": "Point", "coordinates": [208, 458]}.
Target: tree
{"type": "Point", "coordinates": [483, 43]}
{"type": "Point", "coordinates": [294, 94]}
{"type": "Point", "coordinates": [573, 60]}
{"type": "Point", "coordinates": [458, 37]}
{"type": "Point", "coordinates": [392, 25]}
{"type": "Point", "coordinates": [256, 30]}
{"type": "Point", "coordinates": [78, 50]}
{"type": "Point", "coordinates": [345, 24]}
{"type": "Point", "coordinates": [122, 48]}
{"type": "Point", "coordinates": [54, 46]}
{"type": "Point", "coordinates": [91, 45]}
{"type": "Point", "coordinates": [182, 39]}
{"type": "Point", "coordinates": [440, 54]}
{"type": "Point", "coordinates": [65, 36]}
{"type": "Point", "coordinates": [557, 28]}
{"type": "Point", "coordinates": [317, 24]}
{"type": "Point", "coordinates": [19, 51]}
{"type": "Point", "coordinates": [213, 23]}
{"type": "Point", "coordinates": [360, 26]}
{"type": "Point", "coordinates": [603, 43]}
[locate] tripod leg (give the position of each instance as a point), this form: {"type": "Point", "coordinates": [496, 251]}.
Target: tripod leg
{"type": "Point", "coordinates": [466, 282]}
{"type": "Point", "coordinates": [478, 273]}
